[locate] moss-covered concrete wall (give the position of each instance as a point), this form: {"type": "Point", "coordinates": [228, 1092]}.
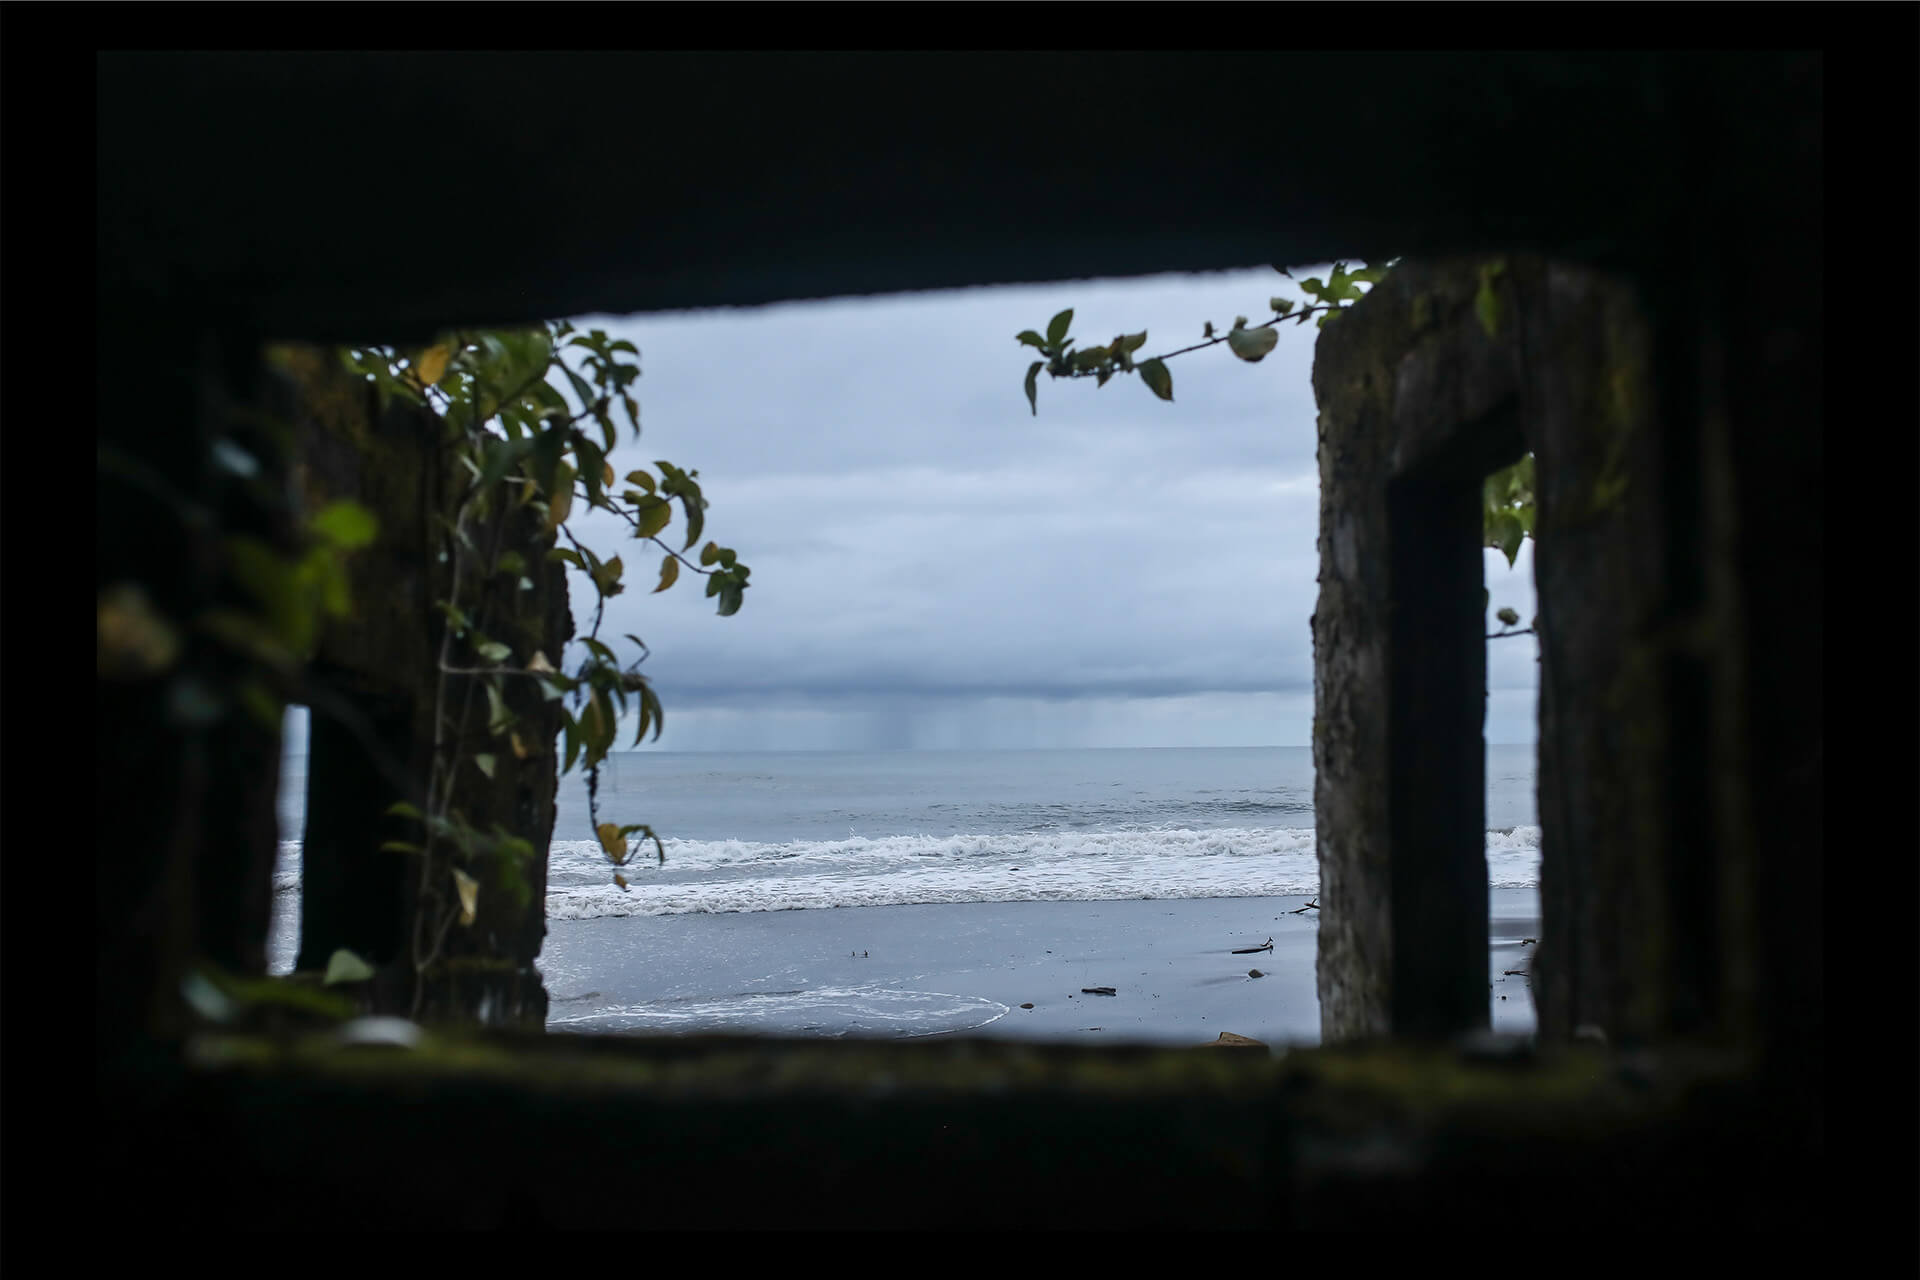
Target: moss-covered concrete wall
{"type": "Point", "coordinates": [382, 663]}
{"type": "Point", "coordinates": [1417, 381]}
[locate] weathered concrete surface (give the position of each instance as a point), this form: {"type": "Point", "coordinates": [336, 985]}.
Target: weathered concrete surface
{"type": "Point", "coordinates": [382, 664]}
{"type": "Point", "coordinates": [1648, 927]}
{"type": "Point", "coordinates": [1417, 404]}
{"type": "Point", "coordinates": [731, 1133]}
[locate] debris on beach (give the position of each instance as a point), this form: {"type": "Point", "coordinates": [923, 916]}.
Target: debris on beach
{"type": "Point", "coordinates": [1527, 941]}
{"type": "Point", "coordinates": [1255, 973]}
{"type": "Point", "coordinates": [1097, 991]}
{"type": "Point", "coordinates": [1311, 906]}
{"type": "Point", "coordinates": [1228, 1040]}
{"type": "Point", "coordinates": [1027, 1005]}
{"type": "Point", "coordinates": [1247, 951]}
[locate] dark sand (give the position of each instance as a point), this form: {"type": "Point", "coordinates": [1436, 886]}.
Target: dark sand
{"type": "Point", "coordinates": [966, 969]}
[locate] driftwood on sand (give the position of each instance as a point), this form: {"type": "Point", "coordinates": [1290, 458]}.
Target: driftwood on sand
{"type": "Point", "coordinates": [1247, 951]}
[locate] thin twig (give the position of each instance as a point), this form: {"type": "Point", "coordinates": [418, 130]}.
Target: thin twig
{"type": "Point", "coordinates": [1502, 635]}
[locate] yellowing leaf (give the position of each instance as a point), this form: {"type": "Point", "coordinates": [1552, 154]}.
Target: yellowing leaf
{"type": "Point", "coordinates": [432, 364]}
{"type": "Point", "coordinates": [669, 573]}
{"type": "Point", "coordinates": [620, 880]}
{"type": "Point", "coordinates": [644, 479]}
{"type": "Point", "coordinates": [469, 894]}
{"type": "Point", "coordinates": [133, 639]}
{"type": "Point", "coordinates": [344, 966]}
{"type": "Point", "coordinates": [519, 747]}
{"type": "Point", "coordinates": [606, 474]}
{"type": "Point", "coordinates": [560, 502]}
{"type": "Point", "coordinates": [612, 841]}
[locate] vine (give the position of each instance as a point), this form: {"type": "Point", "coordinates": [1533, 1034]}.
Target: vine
{"type": "Point", "coordinates": [516, 443]}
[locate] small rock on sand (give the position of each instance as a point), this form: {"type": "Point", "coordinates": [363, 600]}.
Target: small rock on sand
{"type": "Point", "coordinates": [1255, 973]}
{"type": "Point", "coordinates": [1027, 1005]}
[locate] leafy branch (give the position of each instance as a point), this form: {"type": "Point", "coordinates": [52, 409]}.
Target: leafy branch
{"type": "Point", "coordinates": [1249, 343]}
{"type": "Point", "coordinates": [521, 445]}
{"type": "Point", "coordinates": [1508, 499]}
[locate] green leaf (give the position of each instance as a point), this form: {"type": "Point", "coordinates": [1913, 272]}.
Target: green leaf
{"type": "Point", "coordinates": [709, 553]}
{"type": "Point", "coordinates": [273, 583]}
{"type": "Point", "coordinates": [499, 717]}
{"type": "Point", "coordinates": [265, 708]}
{"type": "Point", "coordinates": [1486, 304]}
{"type": "Point", "coordinates": [401, 809]}
{"type": "Point", "coordinates": [1159, 381]}
{"type": "Point", "coordinates": [1507, 535]}
{"type": "Point", "coordinates": [346, 524]}
{"type": "Point", "coordinates": [1031, 338]}
{"type": "Point", "coordinates": [695, 507]}
{"type": "Point", "coordinates": [651, 516]}
{"type": "Point", "coordinates": [344, 966]}
{"type": "Point", "coordinates": [485, 761]}
{"type": "Point", "coordinates": [1252, 345]}
{"type": "Point", "coordinates": [1058, 326]}
{"type": "Point", "coordinates": [730, 598]}
{"type": "Point", "coordinates": [650, 713]}
{"type": "Point", "coordinates": [1509, 617]}
{"type": "Point", "coordinates": [1135, 341]}
{"type": "Point", "coordinates": [581, 387]}
{"type": "Point", "coordinates": [606, 576]}
{"type": "Point", "coordinates": [1281, 305]}
{"type": "Point", "coordinates": [597, 726]}
{"type": "Point", "coordinates": [502, 456]}
{"type": "Point", "coordinates": [1033, 386]}
{"type": "Point", "coordinates": [669, 573]}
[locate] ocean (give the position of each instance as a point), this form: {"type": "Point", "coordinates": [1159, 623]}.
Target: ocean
{"type": "Point", "coordinates": [811, 830]}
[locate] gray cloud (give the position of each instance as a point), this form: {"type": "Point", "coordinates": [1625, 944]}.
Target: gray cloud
{"type": "Point", "coordinates": [935, 566]}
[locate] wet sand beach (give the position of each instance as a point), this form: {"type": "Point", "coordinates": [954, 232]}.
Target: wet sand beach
{"type": "Point", "coordinates": [969, 968]}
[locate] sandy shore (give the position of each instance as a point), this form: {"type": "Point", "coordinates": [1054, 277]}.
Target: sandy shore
{"type": "Point", "coordinates": [972, 968]}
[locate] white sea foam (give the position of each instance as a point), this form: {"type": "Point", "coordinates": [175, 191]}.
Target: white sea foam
{"type": "Point", "coordinates": [848, 1010]}
{"type": "Point", "coordinates": [1040, 866]}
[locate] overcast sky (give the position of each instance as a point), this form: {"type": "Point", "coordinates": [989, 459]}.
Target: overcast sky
{"type": "Point", "coordinates": [935, 567]}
